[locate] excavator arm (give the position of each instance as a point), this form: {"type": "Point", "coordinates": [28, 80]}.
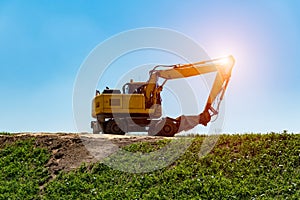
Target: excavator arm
{"type": "Point", "coordinates": [223, 67]}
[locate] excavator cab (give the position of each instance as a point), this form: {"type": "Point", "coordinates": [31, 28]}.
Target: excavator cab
{"type": "Point", "coordinates": [133, 87]}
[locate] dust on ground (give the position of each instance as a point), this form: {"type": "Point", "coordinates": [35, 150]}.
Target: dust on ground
{"type": "Point", "coordinates": [69, 150]}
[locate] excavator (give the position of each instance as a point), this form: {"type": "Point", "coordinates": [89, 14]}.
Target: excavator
{"type": "Point", "coordinates": [138, 107]}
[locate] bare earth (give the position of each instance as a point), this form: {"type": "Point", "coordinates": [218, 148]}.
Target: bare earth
{"type": "Point", "coordinates": [69, 150]}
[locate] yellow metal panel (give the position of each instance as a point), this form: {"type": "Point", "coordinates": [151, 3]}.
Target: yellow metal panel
{"type": "Point", "coordinates": [124, 111]}
{"type": "Point", "coordinates": [119, 103]}
{"type": "Point", "coordinates": [133, 101]}
{"type": "Point", "coordinates": [97, 105]}
{"type": "Point", "coordinates": [122, 103]}
{"type": "Point", "coordinates": [112, 100]}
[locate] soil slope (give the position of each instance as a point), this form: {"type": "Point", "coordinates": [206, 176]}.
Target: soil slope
{"type": "Point", "coordinates": [69, 151]}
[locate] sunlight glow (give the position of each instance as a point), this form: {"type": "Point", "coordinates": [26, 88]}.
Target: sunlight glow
{"type": "Point", "coordinates": [227, 61]}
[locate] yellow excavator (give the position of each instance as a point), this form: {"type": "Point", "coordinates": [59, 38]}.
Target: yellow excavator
{"type": "Point", "coordinates": [138, 107]}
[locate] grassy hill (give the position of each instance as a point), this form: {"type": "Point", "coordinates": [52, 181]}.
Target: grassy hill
{"type": "Point", "coordinates": [250, 166]}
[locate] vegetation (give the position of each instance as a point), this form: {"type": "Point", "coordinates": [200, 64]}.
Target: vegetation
{"type": "Point", "coordinates": [5, 133]}
{"type": "Point", "coordinates": [249, 166]}
{"type": "Point", "coordinates": [22, 170]}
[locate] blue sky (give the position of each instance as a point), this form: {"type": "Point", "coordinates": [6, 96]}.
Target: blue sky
{"type": "Point", "coordinates": [43, 43]}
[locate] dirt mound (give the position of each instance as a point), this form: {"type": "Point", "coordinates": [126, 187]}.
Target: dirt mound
{"type": "Point", "coordinates": [69, 151]}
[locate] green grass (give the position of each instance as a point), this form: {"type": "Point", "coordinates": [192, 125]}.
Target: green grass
{"type": "Point", "coordinates": [239, 167]}
{"type": "Point", "coordinates": [22, 170]}
{"type": "Point", "coordinates": [249, 166]}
